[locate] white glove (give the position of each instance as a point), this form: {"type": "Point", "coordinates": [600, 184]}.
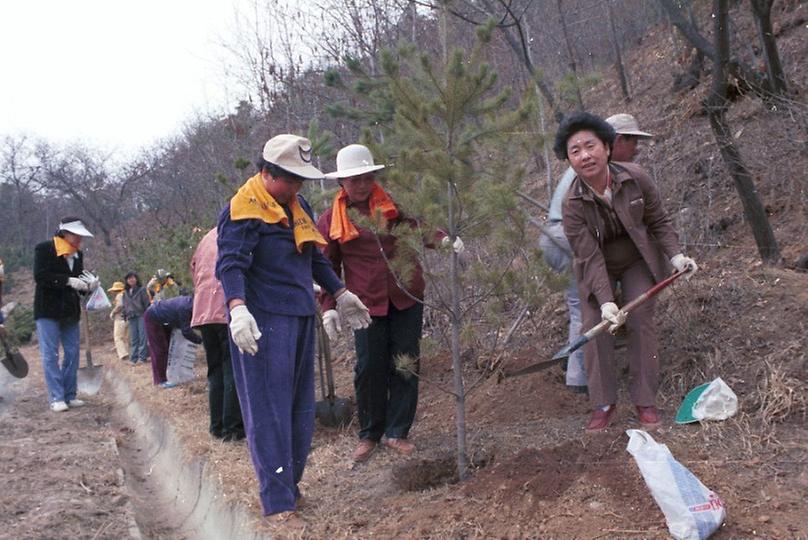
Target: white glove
{"type": "Point", "coordinates": [353, 311]}
{"type": "Point", "coordinates": [77, 283]}
{"type": "Point", "coordinates": [91, 280]}
{"type": "Point", "coordinates": [332, 324]}
{"type": "Point", "coordinates": [244, 329]}
{"type": "Point", "coordinates": [457, 245]}
{"type": "Point", "coordinates": [317, 288]}
{"type": "Point", "coordinates": [610, 312]}
{"type": "Point", "coordinates": [682, 263]}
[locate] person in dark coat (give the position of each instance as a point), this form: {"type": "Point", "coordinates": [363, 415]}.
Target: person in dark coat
{"type": "Point", "coordinates": [135, 303]}
{"type": "Point", "coordinates": [161, 318]}
{"type": "Point", "coordinates": [60, 278]}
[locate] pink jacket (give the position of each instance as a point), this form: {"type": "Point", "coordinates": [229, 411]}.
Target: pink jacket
{"type": "Point", "coordinates": [209, 303]}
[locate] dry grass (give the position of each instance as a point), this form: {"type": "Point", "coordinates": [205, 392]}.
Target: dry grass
{"type": "Point", "coordinates": [780, 397]}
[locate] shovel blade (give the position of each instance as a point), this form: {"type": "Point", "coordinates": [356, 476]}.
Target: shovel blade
{"type": "Point", "coordinates": [336, 413]}
{"type": "Point", "coordinates": [571, 348]}
{"type": "Point", "coordinates": [15, 364]}
{"type": "Point", "coordinates": [89, 379]}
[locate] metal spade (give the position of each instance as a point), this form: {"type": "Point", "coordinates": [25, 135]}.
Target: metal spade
{"type": "Point", "coordinates": [331, 411]}
{"type": "Point", "coordinates": [13, 360]}
{"type": "Point", "coordinates": [91, 375]}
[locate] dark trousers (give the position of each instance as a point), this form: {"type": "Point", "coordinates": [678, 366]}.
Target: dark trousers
{"type": "Point", "coordinates": [643, 356]}
{"type": "Point", "coordinates": [386, 398]}
{"type": "Point", "coordinates": [225, 413]}
{"type": "Point", "coordinates": [159, 337]}
{"type": "Point", "coordinates": [276, 392]}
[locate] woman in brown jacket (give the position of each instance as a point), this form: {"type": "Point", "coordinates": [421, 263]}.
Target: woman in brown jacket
{"type": "Point", "coordinates": [619, 232]}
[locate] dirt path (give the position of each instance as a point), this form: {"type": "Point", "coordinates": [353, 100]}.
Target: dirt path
{"type": "Point", "coordinates": [76, 474]}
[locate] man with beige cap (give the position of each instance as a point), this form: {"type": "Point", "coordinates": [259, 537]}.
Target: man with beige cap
{"type": "Point", "coordinates": [624, 149]}
{"type": "Point", "coordinates": [268, 257]}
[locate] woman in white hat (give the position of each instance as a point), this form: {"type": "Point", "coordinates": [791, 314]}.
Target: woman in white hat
{"type": "Point", "coordinates": [386, 397]}
{"type": "Point", "coordinates": [60, 277]}
{"type": "Point", "coordinates": [268, 258]}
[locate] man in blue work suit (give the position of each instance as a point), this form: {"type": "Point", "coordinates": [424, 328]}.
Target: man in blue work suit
{"type": "Point", "coordinates": [268, 258]}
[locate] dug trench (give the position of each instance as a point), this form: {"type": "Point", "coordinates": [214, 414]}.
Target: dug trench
{"type": "Point", "coordinates": [109, 469]}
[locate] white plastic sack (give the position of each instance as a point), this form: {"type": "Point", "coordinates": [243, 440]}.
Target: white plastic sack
{"type": "Point", "coordinates": [692, 511]}
{"type": "Point", "coordinates": [717, 402]}
{"type": "Point", "coordinates": [181, 358]}
{"type": "Point", "coordinates": [98, 300]}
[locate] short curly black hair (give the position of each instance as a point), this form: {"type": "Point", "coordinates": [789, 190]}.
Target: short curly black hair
{"type": "Point", "coordinates": [575, 122]}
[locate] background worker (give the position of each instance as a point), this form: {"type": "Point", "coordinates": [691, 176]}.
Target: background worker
{"type": "Point", "coordinates": [135, 303]}
{"type": "Point", "coordinates": [60, 278]}
{"type": "Point", "coordinates": [210, 318]}
{"type": "Point", "coordinates": [558, 253]}
{"type": "Point", "coordinates": [160, 320]}
{"type": "Point", "coordinates": [120, 331]}
{"type": "Point", "coordinates": [162, 286]}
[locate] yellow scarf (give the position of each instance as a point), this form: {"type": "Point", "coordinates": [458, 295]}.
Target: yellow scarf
{"type": "Point", "coordinates": [342, 229]}
{"type": "Point", "coordinates": [63, 247]}
{"type": "Point", "coordinates": [252, 201]}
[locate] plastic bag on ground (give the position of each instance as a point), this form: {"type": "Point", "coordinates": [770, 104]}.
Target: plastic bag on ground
{"type": "Point", "coordinates": [181, 358]}
{"type": "Point", "coordinates": [98, 300]}
{"type": "Point", "coordinates": [692, 511]}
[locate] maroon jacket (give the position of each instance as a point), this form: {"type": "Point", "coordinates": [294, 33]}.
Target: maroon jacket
{"type": "Point", "coordinates": [366, 273]}
{"type": "Point", "coordinates": [636, 201]}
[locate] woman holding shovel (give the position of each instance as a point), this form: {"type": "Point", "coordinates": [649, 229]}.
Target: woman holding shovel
{"type": "Point", "coordinates": [619, 232]}
{"type": "Point", "coordinates": [60, 278]}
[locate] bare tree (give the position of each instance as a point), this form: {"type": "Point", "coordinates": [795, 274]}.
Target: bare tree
{"type": "Point", "coordinates": [570, 54]}
{"type": "Point", "coordinates": [621, 69]}
{"type": "Point", "coordinates": [762, 9]}
{"type": "Point", "coordinates": [717, 105]}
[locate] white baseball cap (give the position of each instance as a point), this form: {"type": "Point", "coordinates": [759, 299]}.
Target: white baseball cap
{"type": "Point", "coordinates": [76, 227]}
{"type": "Point", "coordinates": [625, 124]}
{"type": "Point", "coordinates": [354, 160]}
{"type": "Point", "coordinates": [292, 154]}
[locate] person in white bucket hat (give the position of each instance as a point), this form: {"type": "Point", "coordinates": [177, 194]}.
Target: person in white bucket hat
{"type": "Point", "coordinates": [268, 257]}
{"type": "Point", "coordinates": [386, 397]}
{"type": "Point", "coordinates": [60, 278]}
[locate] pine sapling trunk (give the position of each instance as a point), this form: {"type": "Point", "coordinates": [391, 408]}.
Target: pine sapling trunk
{"type": "Point", "coordinates": [457, 366]}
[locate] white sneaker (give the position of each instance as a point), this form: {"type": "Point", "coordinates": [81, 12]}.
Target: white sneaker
{"type": "Point", "coordinates": [76, 403]}
{"type": "Point", "coordinates": [58, 406]}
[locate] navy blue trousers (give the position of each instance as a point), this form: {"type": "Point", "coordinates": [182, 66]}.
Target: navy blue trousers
{"type": "Point", "coordinates": [276, 393]}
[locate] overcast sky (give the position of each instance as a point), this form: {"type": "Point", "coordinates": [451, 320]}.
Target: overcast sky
{"type": "Point", "coordinates": [108, 72]}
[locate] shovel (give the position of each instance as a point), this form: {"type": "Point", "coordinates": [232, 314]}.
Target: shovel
{"type": "Point", "coordinates": [89, 376]}
{"type": "Point", "coordinates": [331, 411]}
{"type": "Point", "coordinates": [583, 339]}
{"type": "Point", "coordinates": [13, 360]}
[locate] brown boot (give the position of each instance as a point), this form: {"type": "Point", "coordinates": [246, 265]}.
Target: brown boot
{"type": "Point", "coordinates": [649, 417]}
{"type": "Point", "coordinates": [600, 419]}
{"type": "Point", "coordinates": [363, 451]}
{"type": "Point", "coordinates": [402, 446]}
